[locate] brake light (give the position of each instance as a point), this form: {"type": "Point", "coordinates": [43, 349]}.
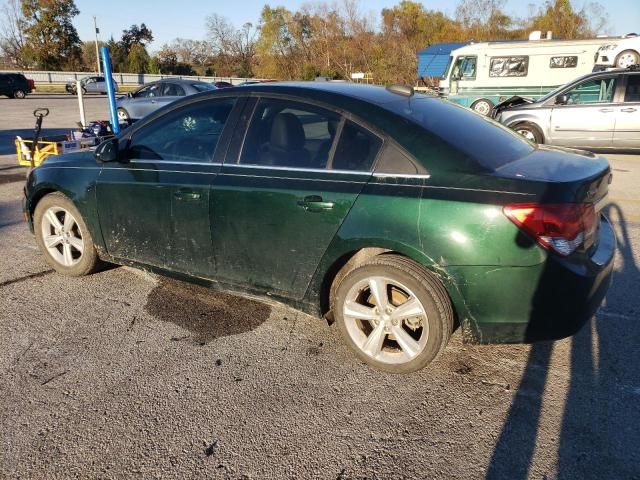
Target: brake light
{"type": "Point", "coordinates": [31, 83]}
{"type": "Point", "coordinates": [559, 227]}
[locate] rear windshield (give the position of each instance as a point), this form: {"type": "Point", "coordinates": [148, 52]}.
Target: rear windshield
{"type": "Point", "coordinates": [488, 143]}
{"type": "Point", "coordinates": [203, 87]}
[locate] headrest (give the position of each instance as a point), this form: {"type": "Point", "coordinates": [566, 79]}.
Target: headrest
{"type": "Point", "coordinates": [287, 132]}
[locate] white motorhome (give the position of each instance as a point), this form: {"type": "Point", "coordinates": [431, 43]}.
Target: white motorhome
{"type": "Point", "coordinates": [480, 75]}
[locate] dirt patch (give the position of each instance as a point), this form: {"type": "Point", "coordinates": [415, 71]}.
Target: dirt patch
{"type": "Point", "coordinates": [207, 314]}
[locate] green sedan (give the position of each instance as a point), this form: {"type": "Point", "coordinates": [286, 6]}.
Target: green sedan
{"type": "Point", "coordinates": [399, 217]}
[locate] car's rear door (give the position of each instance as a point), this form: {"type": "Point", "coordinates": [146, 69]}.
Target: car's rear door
{"type": "Point", "coordinates": [283, 192]}
{"type": "Point", "coordinates": [154, 208]}
{"type": "Point", "coordinates": [588, 118]}
{"type": "Point", "coordinates": [627, 130]}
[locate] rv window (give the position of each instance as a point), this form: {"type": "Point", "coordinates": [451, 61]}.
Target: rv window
{"type": "Point", "coordinates": [563, 62]}
{"type": "Point", "coordinates": [465, 67]}
{"type": "Point", "coordinates": [509, 66]}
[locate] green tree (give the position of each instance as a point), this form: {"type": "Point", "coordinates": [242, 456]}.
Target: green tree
{"type": "Point", "coordinates": [51, 40]}
{"type": "Point", "coordinates": [137, 59]}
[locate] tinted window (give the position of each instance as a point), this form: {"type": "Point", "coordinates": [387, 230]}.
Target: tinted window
{"type": "Point", "coordinates": [563, 62]}
{"type": "Point", "coordinates": [599, 90]}
{"type": "Point", "coordinates": [289, 134]}
{"type": "Point", "coordinates": [394, 160]}
{"type": "Point", "coordinates": [464, 137]}
{"type": "Point", "coordinates": [189, 134]}
{"type": "Point", "coordinates": [508, 66]}
{"type": "Point", "coordinates": [357, 148]}
{"type": "Point", "coordinates": [203, 87]}
{"type": "Point", "coordinates": [173, 90]}
{"type": "Point", "coordinates": [633, 89]}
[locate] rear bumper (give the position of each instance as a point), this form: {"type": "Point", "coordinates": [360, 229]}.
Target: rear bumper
{"type": "Point", "coordinates": [545, 302]}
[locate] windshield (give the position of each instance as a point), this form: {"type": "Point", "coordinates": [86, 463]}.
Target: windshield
{"type": "Point", "coordinates": [203, 87]}
{"type": "Point", "coordinates": [487, 143]}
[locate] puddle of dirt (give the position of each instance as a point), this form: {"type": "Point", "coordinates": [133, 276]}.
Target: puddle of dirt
{"type": "Point", "coordinates": [12, 178]}
{"type": "Point", "coordinates": [206, 313]}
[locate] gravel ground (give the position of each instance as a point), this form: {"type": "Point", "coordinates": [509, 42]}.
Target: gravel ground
{"type": "Point", "coordinates": [124, 374]}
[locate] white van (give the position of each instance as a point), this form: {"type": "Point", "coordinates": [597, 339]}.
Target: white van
{"type": "Point", "coordinates": [480, 75]}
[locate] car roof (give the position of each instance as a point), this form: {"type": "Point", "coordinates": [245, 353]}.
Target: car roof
{"type": "Point", "coordinates": [185, 81]}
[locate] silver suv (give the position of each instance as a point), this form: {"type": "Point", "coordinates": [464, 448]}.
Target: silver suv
{"type": "Point", "coordinates": [596, 111]}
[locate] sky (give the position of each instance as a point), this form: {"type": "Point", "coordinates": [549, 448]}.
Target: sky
{"type": "Point", "coordinates": [169, 19]}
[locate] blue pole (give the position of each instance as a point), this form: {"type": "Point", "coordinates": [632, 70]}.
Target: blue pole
{"type": "Point", "coordinates": [106, 68]}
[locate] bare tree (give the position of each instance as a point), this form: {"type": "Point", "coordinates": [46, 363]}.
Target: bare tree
{"type": "Point", "coordinates": [12, 38]}
{"type": "Point", "coordinates": [235, 48]}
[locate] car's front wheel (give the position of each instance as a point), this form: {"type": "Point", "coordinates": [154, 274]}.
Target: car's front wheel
{"type": "Point", "coordinates": [63, 236]}
{"type": "Point", "coordinates": [394, 314]}
{"type": "Point", "coordinates": [123, 116]}
{"type": "Point", "coordinates": [530, 132]}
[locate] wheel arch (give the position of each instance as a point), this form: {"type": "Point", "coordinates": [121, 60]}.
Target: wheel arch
{"type": "Point", "coordinates": [331, 271]}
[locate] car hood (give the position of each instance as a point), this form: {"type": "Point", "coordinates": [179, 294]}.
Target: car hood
{"type": "Point", "coordinates": [81, 158]}
{"type": "Point", "coordinates": [512, 102]}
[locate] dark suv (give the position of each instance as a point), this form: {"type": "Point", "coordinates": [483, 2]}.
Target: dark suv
{"type": "Point", "coordinates": [15, 85]}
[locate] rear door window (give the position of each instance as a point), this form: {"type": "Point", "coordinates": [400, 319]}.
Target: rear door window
{"type": "Point", "coordinates": [173, 90]}
{"type": "Point", "coordinates": [284, 133]}
{"type": "Point", "coordinates": [356, 150]}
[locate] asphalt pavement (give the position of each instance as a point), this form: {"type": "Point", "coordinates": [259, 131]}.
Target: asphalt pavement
{"type": "Point", "coordinates": [125, 374]}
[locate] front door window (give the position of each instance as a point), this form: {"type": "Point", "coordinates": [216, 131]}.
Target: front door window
{"type": "Point", "coordinates": [600, 90]}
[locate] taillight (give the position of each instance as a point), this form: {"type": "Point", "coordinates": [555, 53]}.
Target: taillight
{"type": "Point", "coordinates": [31, 83]}
{"type": "Point", "coordinates": [559, 227]}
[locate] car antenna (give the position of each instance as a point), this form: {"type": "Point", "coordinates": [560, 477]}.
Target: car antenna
{"type": "Point", "coordinates": [399, 89]}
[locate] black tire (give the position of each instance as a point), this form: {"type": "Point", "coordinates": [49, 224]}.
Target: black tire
{"type": "Point", "coordinates": [123, 115]}
{"type": "Point", "coordinates": [529, 131]}
{"type": "Point", "coordinates": [482, 106]}
{"type": "Point", "coordinates": [19, 94]}
{"type": "Point", "coordinates": [427, 289]}
{"type": "Point", "coordinates": [88, 261]}
{"type": "Point", "coordinates": [626, 55]}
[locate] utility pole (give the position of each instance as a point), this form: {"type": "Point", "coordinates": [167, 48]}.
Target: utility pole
{"type": "Point", "coordinates": [96, 30]}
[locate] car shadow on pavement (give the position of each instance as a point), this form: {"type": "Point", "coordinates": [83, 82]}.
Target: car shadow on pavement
{"type": "Point", "coordinates": [599, 437]}
{"type": "Point", "coordinates": [210, 314]}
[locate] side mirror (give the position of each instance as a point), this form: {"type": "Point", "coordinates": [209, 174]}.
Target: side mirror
{"type": "Point", "coordinates": [107, 151]}
{"type": "Point", "coordinates": [562, 99]}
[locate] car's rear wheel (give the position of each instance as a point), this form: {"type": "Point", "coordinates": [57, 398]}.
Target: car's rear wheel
{"type": "Point", "coordinates": [482, 106]}
{"type": "Point", "coordinates": [19, 94]}
{"type": "Point", "coordinates": [530, 132]}
{"type": "Point", "coordinates": [627, 58]}
{"type": "Point", "coordinates": [394, 314]}
{"type": "Point", "coordinates": [63, 236]}
{"type": "Point", "coordinates": [123, 115]}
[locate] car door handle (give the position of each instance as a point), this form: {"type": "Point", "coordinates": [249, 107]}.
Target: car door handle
{"type": "Point", "coordinates": [628, 110]}
{"type": "Point", "coordinates": [606, 110]}
{"type": "Point", "coordinates": [186, 195]}
{"type": "Point", "coordinates": [315, 203]}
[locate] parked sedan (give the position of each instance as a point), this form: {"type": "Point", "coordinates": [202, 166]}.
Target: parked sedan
{"type": "Point", "coordinates": [90, 84]}
{"type": "Point", "coordinates": [597, 111]}
{"type": "Point", "coordinates": [398, 216]}
{"type": "Point", "coordinates": [154, 95]}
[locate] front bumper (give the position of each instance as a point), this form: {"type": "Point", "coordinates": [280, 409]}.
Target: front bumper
{"type": "Point", "coordinates": [549, 301]}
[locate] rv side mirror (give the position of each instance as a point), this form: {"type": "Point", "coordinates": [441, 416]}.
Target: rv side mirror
{"type": "Point", "coordinates": [107, 151]}
{"type": "Point", "coordinates": [562, 99]}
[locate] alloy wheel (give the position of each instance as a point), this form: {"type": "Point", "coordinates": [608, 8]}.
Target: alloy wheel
{"type": "Point", "coordinates": [385, 320]}
{"type": "Point", "coordinates": [62, 236]}
{"type": "Point", "coordinates": [526, 133]}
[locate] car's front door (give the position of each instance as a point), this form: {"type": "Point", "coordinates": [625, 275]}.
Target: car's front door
{"type": "Point", "coordinates": [277, 203]}
{"type": "Point", "coordinates": [154, 206]}
{"type": "Point", "coordinates": [627, 132]}
{"type": "Point", "coordinates": [587, 119]}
